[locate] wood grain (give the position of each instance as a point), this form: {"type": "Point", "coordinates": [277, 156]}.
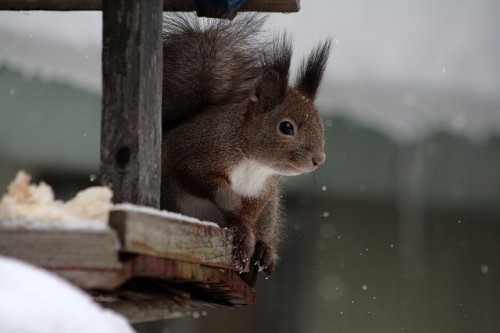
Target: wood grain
{"type": "Point", "coordinates": [58, 248]}
{"type": "Point", "coordinates": [150, 265]}
{"type": "Point", "coordinates": [159, 236]}
{"type": "Point", "coordinates": [131, 102]}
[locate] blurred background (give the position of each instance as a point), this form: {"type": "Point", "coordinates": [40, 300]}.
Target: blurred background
{"type": "Point", "coordinates": [398, 232]}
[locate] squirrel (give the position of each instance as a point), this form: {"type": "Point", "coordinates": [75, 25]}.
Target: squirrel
{"type": "Point", "coordinates": [233, 127]}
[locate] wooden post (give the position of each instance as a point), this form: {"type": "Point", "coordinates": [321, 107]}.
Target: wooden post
{"type": "Point", "coordinates": [131, 103]}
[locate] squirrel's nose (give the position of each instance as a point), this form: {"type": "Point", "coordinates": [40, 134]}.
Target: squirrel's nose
{"type": "Point", "coordinates": [318, 159]}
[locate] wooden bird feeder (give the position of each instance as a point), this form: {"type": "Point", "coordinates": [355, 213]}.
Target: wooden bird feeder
{"type": "Point", "coordinates": [147, 265]}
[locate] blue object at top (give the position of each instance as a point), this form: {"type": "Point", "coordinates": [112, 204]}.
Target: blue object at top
{"type": "Point", "coordinates": [218, 6]}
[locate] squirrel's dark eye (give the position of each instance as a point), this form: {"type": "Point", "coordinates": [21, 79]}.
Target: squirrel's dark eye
{"type": "Point", "coordinates": [286, 128]}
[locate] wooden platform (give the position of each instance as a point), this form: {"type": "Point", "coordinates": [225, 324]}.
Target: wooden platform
{"type": "Point", "coordinates": [146, 264]}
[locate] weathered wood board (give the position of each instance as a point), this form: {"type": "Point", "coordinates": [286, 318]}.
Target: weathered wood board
{"type": "Point", "coordinates": [219, 287]}
{"type": "Point", "coordinates": [164, 289]}
{"type": "Point", "coordinates": [132, 72]}
{"type": "Point", "coordinates": [94, 279]}
{"type": "Point", "coordinates": [149, 265]}
{"type": "Point", "coordinates": [58, 247]}
{"type": "Point", "coordinates": [140, 311]}
{"type": "Point", "coordinates": [86, 256]}
{"type": "Point", "coordinates": [168, 5]}
{"type": "Point", "coordinates": [169, 237]}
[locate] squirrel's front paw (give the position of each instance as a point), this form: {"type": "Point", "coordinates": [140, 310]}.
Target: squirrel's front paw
{"type": "Point", "coordinates": [265, 257]}
{"type": "Point", "coordinates": [244, 243]}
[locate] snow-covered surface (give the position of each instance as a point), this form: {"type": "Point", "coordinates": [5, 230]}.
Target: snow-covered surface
{"type": "Point", "coordinates": [36, 301]}
{"type": "Point", "coordinates": [162, 213]}
{"type": "Point", "coordinates": [67, 225]}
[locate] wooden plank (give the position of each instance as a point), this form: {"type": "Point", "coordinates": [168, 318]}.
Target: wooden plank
{"type": "Point", "coordinates": [217, 286]}
{"type": "Point", "coordinates": [282, 6]}
{"type": "Point", "coordinates": [131, 102]}
{"type": "Point", "coordinates": [168, 5]}
{"type": "Point", "coordinates": [142, 287]}
{"type": "Point", "coordinates": [173, 238]}
{"type": "Point", "coordinates": [141, 304]}
{"type": "Point", "coordinates": [144, 311]}
{"type": "Point", "coordinates": [165, 289]}
{"type": "Point", "coordinates": [57, 247]}
{"type": "Point", "coordinates": [83, 252]}
{"type": "Point", "coordinates": [98, 279]}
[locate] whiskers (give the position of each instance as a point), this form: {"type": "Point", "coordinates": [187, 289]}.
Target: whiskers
{"type": "Point", "coordinates": [322, 179]}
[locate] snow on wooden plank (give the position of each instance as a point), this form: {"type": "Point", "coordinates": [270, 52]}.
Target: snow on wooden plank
{"type": "Point", "coordinates": [53, 225]}
{"type": "Point", "coordinates": [169, 236]}
{"type": "Point", "coordinates": [162, 213]}
{"type": "Point", "coordinates": [168, 5]}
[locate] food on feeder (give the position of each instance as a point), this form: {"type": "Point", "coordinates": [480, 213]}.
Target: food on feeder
{"type": "Point", "coordinates": [36, 202]}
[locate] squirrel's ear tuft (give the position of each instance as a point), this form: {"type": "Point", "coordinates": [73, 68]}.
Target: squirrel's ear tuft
{"type": "Point", "coordinates": [311, 70]}
{"type": "Point", "coordinates": [275, 61]}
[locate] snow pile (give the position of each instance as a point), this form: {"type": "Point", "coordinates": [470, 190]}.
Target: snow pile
{"type": "Point", "coordinates": [36, 301]}
{"type": "Point", "coordinates": [36, 202]}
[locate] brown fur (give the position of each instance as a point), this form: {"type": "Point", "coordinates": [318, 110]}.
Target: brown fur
{"type": "Point", "coordinates": [225, 97]}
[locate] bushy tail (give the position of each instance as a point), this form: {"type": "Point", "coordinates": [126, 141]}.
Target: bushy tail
{"type": "Point", "coordinates": [209, 62]}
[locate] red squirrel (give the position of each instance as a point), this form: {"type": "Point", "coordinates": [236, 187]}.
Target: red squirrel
{"type": "Point", "coordinates": [233, 126]}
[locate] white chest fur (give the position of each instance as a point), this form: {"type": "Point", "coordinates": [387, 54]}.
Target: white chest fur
{"type": "Point", "coordinates": [249, 177]}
